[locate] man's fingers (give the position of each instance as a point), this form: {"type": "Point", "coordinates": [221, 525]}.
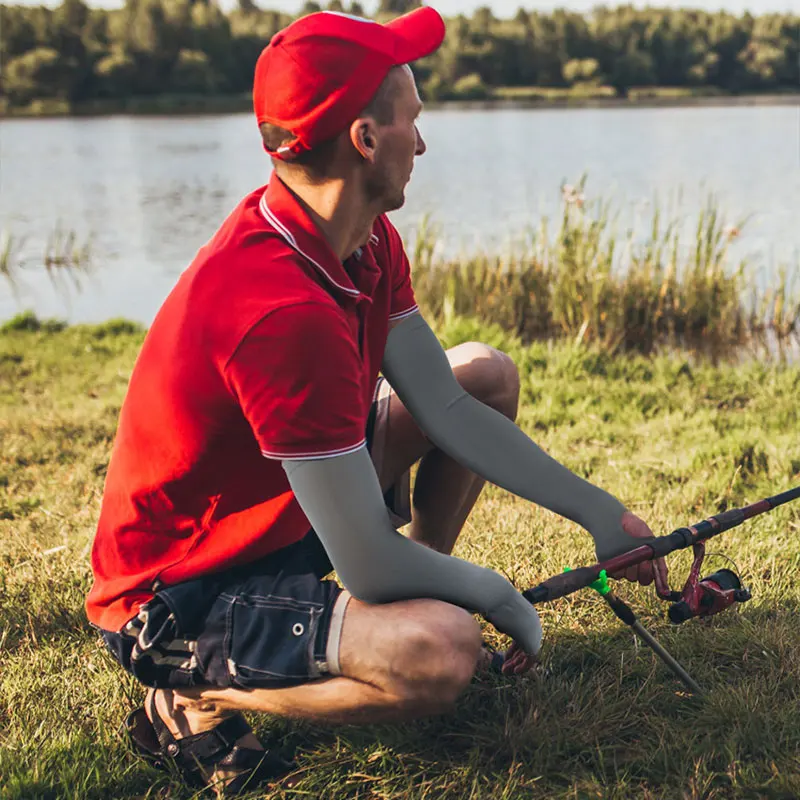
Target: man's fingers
{"type": "Point", "coordinates": [509, 665]}
{"type": "Point", "coordinates": [660, 567]}
{"type": "Point", "coordinates": [646, 573]}
{"type": "Point", "coordinates": [519, 666]}
{"type": "Point", "coordinates": [517, 661]}
{"type": "Point", "coordinates": [523, 667]}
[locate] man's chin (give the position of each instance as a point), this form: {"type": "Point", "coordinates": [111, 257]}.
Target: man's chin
{"type": "Point", "coordinates": [396, 202]}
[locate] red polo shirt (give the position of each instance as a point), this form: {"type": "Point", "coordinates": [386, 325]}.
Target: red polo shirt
{"type": "Point", "coordinates": [267, 348]}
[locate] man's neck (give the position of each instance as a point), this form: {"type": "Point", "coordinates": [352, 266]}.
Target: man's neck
{"type": "Point", "coordinates": [338, 211]}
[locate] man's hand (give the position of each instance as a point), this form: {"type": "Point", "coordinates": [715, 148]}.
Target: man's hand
{"type": "Point", "coordinates": [642, 573]}
{"type": "Point", "coordinates": [517, 661]}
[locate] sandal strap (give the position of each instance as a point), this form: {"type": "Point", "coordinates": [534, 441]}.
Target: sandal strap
{"type": "Point", "coordinates": [214, 748]}
{"type": "Point", "coordinates": [165, 738]}
{"type": "Point", "coordinates": [247, 758]}
{"type": "Point", "coordinates": [497, 658]}
{"type": "Point", "coordinates": [142, 736]}
{"type": "Point", "coordinates": [214, 745]}
{"type": "Point", "coordinates": [205, 747]}
{"type": "Point", "coordinates": [263, 766]}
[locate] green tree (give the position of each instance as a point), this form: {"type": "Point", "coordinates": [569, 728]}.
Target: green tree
{"type": "Point", "coordinates": [482, 20]}
{"type": "Point", "coordinates": [194, 73]}
{"type": "Point", "coordinates": [632, 68]}
{"type": "Point", "coordinates": [17, 33]}
{"type": "Point", "coordinates": [764, 65]}
{"type": "Point", "coordinates": [396, 7]}
{"type": "Point", "coordinates": [38, 73]}
{"type": "Point", "coordinates": [471, 87]}
{"type": "Point", "coordinates": [115, 74]}
{"type": "Point", "coordinates": [147, 46]}
{"type": "Point", "coordinates": [75, 47]}
{"type": "Point", "coordinates": [210, 34]}
{"type": "Point", "coordinates": [582, 70]}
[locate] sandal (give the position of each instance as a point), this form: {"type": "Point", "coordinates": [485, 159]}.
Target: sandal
{"type": "Point", "coordinates": [496, 659]}
{"type": "Point", "coordinates": [196, 756]}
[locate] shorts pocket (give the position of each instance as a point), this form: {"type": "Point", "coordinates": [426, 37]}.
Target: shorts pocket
{"type": "Point", "coordinates": [270, 641]}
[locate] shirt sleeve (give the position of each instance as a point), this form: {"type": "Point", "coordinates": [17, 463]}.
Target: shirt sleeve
{"type": "Point", "coordinates": [297, 377]}
{"type": "Point", "coordinates": [403, 301]}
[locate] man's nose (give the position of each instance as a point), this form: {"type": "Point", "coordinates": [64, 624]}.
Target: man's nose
{"type": "Point", "coordinates": [421, 146]}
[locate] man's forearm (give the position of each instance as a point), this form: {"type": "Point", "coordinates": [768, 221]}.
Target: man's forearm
{"type": "Point", "coordinates": [484, 440]}
{"type": "Point", "coordinates": [342, 499]}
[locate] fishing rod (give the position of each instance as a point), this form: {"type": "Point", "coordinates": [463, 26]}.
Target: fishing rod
{"type": "Point", "coordinates": [700, 597]}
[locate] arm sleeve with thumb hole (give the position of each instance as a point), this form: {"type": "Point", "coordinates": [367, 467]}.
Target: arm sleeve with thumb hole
{"type": "Point", "coordinates": [488, 443]}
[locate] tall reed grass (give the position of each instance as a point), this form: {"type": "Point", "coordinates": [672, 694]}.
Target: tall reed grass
{"type": "Point", "coordinates": [66, 259]}
{"type": "Point", "coordinates": [641, 293]}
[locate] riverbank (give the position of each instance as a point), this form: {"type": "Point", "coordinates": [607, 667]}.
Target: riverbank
{"type": "Point", "coordinates": [602, 718]}
{"type": "Point", "coordinates": [579, 280]}
{"type": "Point", "coordinates": [502, 97]}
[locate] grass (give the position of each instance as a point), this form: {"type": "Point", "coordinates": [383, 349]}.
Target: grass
{"type": "Point", "coordinates": [547, 94]}
{"type": "Point", "coordinates": [673, 437]}
{"type": "Point", "coordinates": [654, 288]}
{"type": "Point", "coordinates": [647, 290]}
{"type": "Point", "coordinates": [592, 91]}
{"type": "Point", "coordinates": [66, 260]}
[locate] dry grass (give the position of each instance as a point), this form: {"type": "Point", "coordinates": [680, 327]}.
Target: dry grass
{"type": "Point", "coordinates": [66, 259]}
{"type": "Point", "coordinates": [645, 292]}
{"type": "Point", "coordinates": [604, 719]}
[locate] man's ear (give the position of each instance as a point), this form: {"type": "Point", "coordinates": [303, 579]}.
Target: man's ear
{"type": "Point", "coordinates": [364, 136]}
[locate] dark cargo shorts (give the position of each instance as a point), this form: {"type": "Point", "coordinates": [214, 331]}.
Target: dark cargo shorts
{"type": "Point", "coordinates": [271, 624]}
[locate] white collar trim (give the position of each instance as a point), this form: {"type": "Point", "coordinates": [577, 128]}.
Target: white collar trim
{"type": "Point", "coordinates": [273, 220]}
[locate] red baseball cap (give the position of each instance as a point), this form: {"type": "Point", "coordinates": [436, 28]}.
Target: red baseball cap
{"type": "Point", "coordinates": [317, 75]}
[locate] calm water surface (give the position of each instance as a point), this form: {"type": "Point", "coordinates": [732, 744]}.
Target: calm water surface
{"type": "Point", "coordinates": [150, 191]}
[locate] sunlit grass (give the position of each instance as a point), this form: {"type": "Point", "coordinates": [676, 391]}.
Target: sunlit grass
{"type": "Point", "coordinates": [673, 439]}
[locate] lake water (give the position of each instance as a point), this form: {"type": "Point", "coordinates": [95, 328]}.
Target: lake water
{"type": "Point", "coordinates": [150, 191]}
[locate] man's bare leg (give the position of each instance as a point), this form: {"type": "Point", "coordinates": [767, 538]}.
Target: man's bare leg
{"type": "Point", "coordinates": [399, 661]}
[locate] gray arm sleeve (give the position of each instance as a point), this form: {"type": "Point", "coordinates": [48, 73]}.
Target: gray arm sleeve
{"type": "Point", "coordinates": [490, 444]}
{"type": "Point", "coordinates": [342, 499]}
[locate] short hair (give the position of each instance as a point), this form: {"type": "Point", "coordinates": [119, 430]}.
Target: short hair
{"type": "Point", "coordinates": [314, 162]}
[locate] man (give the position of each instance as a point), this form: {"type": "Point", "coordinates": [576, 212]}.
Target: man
{"type": "Point", "coordinates": [257, 448]}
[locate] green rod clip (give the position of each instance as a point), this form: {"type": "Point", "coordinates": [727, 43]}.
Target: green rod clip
{"type": "Point", "coordinates": [600, 584]}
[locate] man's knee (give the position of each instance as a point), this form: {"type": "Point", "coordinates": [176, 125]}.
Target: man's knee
{"type": "Point", "coordinates": [438, 659]}
{"type": "Point", "coordinates": [489, 375]}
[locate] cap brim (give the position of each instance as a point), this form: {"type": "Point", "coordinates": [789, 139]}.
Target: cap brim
{"type": "Point", "coordinates": [419, 33]}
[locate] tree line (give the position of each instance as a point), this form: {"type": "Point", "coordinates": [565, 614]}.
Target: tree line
{"type": "Point", "coordinates": [153, 47]}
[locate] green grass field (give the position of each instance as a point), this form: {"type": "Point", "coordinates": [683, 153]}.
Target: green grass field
{"type": "Point", "coordinates": [603, 718]}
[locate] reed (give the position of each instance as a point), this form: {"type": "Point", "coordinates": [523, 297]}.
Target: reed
{"type": "Point", "coordinates": [641, 292]}
{"type": "Point", "coordinates": [66, 258]}
{"type": "Point", "coordinates": [9, 258]}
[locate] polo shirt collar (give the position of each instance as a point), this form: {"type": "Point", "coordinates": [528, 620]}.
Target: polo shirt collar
{"type": "Point", "coordinates": [283, 212]}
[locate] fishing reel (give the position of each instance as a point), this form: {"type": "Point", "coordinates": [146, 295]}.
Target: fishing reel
{"type": "Point", "coordinates": [704, 597]}
{"type": "Point", "coordinates": [701, 597]}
